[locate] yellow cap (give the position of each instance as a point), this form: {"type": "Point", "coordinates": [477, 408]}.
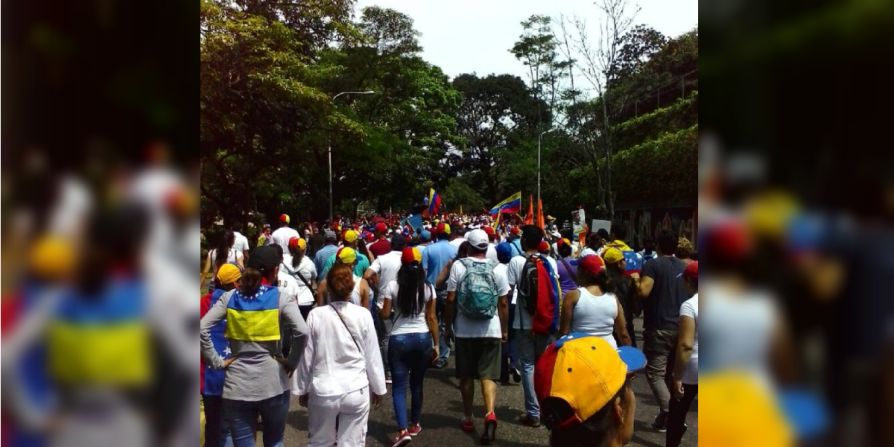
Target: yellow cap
{"type": "Point", "coordinates": [351, 236]}
{"type": "Point", "coordinates": [612, 255]}
{"type": "Point", "coordinates": [228, 274]}
{"type": "Point", "coordinates": [346, 255]}
{"type": "Point", "coordinates": [736, 411]}
{"type": "Point", "coordinates": [52, 257]}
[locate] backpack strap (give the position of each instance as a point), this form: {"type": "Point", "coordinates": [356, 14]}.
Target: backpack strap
{"type": "Point", "coordinates": [297, 274]}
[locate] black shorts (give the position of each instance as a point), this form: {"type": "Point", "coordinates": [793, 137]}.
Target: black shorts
{"type": "Point", "coordinates": [478, 358]}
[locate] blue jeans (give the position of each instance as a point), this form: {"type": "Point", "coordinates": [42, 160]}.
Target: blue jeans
{"type": "Point", "coordinates": [443, 343]}
{"type": "Point", "coordinates": [217, 431]}
{"type": "Point", "coordinates": [409, 356]}
{"type": "Point", "coordinates": [528, 347]}
{"type": "Point", "coordinates": [243, 419]}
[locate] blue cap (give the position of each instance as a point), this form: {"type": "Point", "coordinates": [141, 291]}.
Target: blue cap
{"type": "Point", "coordinates": [504, 252]}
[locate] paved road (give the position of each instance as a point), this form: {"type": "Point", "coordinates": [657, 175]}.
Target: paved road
{"type": "Point", "coordinates": [442, 410]}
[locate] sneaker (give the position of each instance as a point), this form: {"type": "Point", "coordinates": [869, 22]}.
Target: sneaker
{"type": "Point", "coordinates": [660, 423]}
{"type": "Point", "coordinates": [467, 425]}
{"type": "Point", "coordinates": [388, 378]}
{"type": "Point", "coordinates": [516, 376]}
{"type": "Point", "coordinates": [440, 363]}
{"type": "Point", "coordinates": [403, 438]}
{"type": "Point", "coordinates": [414, 429]}
{"type": "Point", "coordinates": [529, 421]}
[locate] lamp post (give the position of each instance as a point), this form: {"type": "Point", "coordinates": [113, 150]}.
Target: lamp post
{"type": "Point", "coordinates": [368, 92]}
{"type": "Point", "coordinates": [539, 139]}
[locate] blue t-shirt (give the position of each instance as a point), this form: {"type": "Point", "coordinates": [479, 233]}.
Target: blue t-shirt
{"type": "Point", "coordinates": [435, 257]}
{"type": "Point", "coordinates": [323, 255]}
{"type": "Point", "coordinates": [566, 277]}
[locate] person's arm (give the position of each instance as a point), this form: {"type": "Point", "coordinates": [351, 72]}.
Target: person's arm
{"type": "Point", "coordinates": [503, 310]}
{"type": "Point", "coordinates": [644, 286]}
{"type": "Point", "coordinates": [303, 377]}
{"type": "Point", "coordinates": [449, 312]}
{"type": "Point", "coordinates": [431, 319]}
{"type": "Point", "coordinates": [216, 314]}
{"type": "Point", "coordinates": [621, 326]}
{"type": "Point", "coordinates": [375, 371]}
{"type": "Point", "coordinates": [685, 345]}
{"type": "Point", "coordinates": [371, 274]}
{"type": "Point", "coordinates": [567, 311]}
{"type": "Point", "coordinates": [364, 293]}
{"type": "Point", "coordinates": [321, 293]}
{"type": "Point", "coordinates": [298, 329]}
{"type": "Point", "coordinates": [445, 273]}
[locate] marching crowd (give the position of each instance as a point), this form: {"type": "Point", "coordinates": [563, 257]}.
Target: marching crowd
{"type": "Point", "coordinates": [334, 313]}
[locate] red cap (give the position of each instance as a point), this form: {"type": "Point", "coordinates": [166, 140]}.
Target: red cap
{"type": "Point", "coordinates": [592, 263]}
{"type": "Point", "coordinates": [490, 232]}
{"type": "Point", "coordinates": [691, 271]}
{"type": "Point", "coordinates": [381, 227]}
{"type": "Point", "coordinates": [284, 218]}
{"type": "Point", "coordinates": [544, 246]}
{"type": "Point", "coordinates": [515, 230]}
{"type": "Point", "coordinates": [410, 255]}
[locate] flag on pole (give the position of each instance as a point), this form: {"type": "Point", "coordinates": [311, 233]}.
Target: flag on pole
{"type": "Point", "coordinates": [529, 218]}
{"type": "Point", "coordinates": [497, 221]}
{"type": "Point", "coordinates": [540, 219]}
{"type": "Point", "coordinates": [511, 204]}
{"type": "Point", "coordinates": [434, 202]}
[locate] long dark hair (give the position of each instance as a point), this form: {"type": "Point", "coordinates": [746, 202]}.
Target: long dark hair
{"type": "Point", "coordinates": [250, 281]}
{"type": "Point", "coordinates": [602, 279]}
{"type": "Point", "coordinates": [224, 242]}
{"type": "Point", "coordinates": [410, 289]}
{"type": "Point", "coordinates": [297, 253]}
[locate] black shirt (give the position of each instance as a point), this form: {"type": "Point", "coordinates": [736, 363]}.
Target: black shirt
{"type": "Point", "coordinates": [661, 309]}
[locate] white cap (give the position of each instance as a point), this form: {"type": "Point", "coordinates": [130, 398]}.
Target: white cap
{"type": "Point", "coordinates": [478, 239]}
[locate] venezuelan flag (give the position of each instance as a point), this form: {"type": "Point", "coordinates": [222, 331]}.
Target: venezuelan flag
{"type": "Point", "coordinates": [511, 204]}
{"type": "Point", "coordinates": [434, 202]}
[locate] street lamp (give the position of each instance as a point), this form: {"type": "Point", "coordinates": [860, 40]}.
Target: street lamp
{"type": "Point", "coordinates": [539, 139]}
{"type": "Point", "coordinates": [368, 92]}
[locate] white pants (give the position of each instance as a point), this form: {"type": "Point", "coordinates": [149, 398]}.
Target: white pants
{"type": "Point", "coordinates": [352, 411]}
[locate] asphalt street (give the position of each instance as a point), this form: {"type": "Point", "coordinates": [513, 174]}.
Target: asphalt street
{"type": "Point", "coordinates": [442, 410]}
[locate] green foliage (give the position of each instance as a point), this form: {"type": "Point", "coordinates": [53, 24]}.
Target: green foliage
{"type": "Point", "coordinates": [461, 194]}
{"type": "Point", "coordinates": [660, 171]}
{"type": "Point", "coordinates": [681, 114]}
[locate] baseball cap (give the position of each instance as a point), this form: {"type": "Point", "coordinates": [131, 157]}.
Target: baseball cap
{"type": "Point", "coordinates": [592, 264]}
{"type": "Point", "coordinates": [585, 372]}
{"type": "Point", "coordinates": [443, 228]}
{"type": "Point", "coordinates": [330, 235]}
{"type": "Point", "coordinates": [284, 218]}
{"type": "Point", "coordinates": [346, 255]}
{"type": "Point", "coordinates": [264, 258]}
{"type": "Point", "coordinates": [504, 252]}
{"type": "Point", "coordinates": [425, 236]}
{"type": "Point", "coordinates": [515, 230]}
{"type": "Point", "coordinates": [351, 236]}
{"type": "Point", "coordinates": [478, 239]}
{"type": "Point", "coordinates": [297, 242]}
{"type": "Point", "coordinates": [381, 227]}
{"type": "Point", "coordinates": [52, 257]}
{"type": "Point", "coordinates": [543, 246]}
{"type": "Point", "coordinates": [228, 274]}
{"type": "Point", "coordinates": [489, 230]}
{"type": "Point", "coordinates": [410, 255]}
{"type": "Point", "coordinates": [691, 271]}
{"type": "Point", "coordinates": [612, 255]}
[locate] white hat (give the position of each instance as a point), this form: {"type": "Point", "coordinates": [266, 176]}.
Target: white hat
{"type": "Point", "coordinates": [478, 239]}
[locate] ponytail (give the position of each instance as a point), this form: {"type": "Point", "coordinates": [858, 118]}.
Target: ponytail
{"type": "Point", "coordinates": [250, 282]}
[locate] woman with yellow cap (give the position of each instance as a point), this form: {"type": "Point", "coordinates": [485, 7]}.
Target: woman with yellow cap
{"type": "Point", "coordinates": [359, 294]}
{"type": "Point", "coordinates": [341, 368]}
{"type": "Point", "coordinates": [413, 342]}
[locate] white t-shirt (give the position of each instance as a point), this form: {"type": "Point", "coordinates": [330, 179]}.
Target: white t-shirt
{"type": "Point", "coordinates": [240, 241]}
{"type": "Point", "coordinates": [457, 242]}
{"type": "Point", "coordinates": [522, 318]}
{"type": "Point", "coordinates": [288, 285]}
{"type": "Point", "coordinates": [689, 308]}
{"type": "Point", "coordinates": [308, 271]}
{"type": "Point", "coordinates": [282, 235]}
{"type": "Point", "coordinates": [491, 253]}
{"type": "Point", "coordinates": [233, 255]}
{"type": "Point", "coordinates": [386, 266]}
{"type": "Point", "coordinates": [407, 324]}
{"type": "Point", "coordinates": [587, 251]}
{"type": "Point", "coordinates": [467, 328]}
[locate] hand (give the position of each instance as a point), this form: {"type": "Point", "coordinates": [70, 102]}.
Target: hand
{"type": "Point", "coordinates": [302, 400]}
{"type": "Point", "coordinates": [677, 389]}
{"type": "Point", "coordinates": [376, 400]}
{"type": "Point", "coordinates": [285, 364]}
{"type": "Point", "coordinates": [635, 276]}
{"type": "Point", "coordinates": [505, 337]}
{"type": "Point", "coordinates": [435, 354]}
{"type": "Point", "coordinates": [228, 362]}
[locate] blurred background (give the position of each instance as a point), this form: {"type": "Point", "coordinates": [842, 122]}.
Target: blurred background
{"type": "Point", "coordinates": [795, 205]}
{"type": "Point", "coordinates": [100, 223]}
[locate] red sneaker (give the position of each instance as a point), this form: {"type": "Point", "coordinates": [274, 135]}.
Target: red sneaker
{"type": "Point", "coordinates": [403, 438]}
{"type": "Point", "coordinates": [467, 425]}
{"type": "Point", "coordinates": [414, 429]}
{"type": "Point", "coordinates": [490, 429]}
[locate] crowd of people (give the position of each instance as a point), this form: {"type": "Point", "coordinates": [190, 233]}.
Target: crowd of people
{"type": "Point", "coordinates": [334, 313]}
